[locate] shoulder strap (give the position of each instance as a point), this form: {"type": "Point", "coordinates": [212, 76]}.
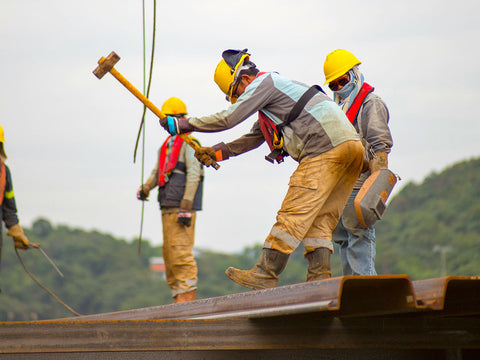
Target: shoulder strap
{"type": "Point", "coordinates": [362, 94]}
{"type": "Point", "coordinates": [300, 104]}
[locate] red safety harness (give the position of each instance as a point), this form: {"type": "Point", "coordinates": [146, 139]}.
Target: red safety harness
{"type": "Point", "coordinates": [362, 94]}
{"type": "Point", "coordinates": [166, 161]}
{"type": "Point", "coordinates": [273, 132]}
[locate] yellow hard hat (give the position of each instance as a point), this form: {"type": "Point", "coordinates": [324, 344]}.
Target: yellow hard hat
{"type": "Point", "coordinates": [227, 71]}
{"type": "Point", "coordinates": [337, 63]}
{"type": "Point", "coordinates": [174, 106]}
{"type": "Point", "coordinates": [2, 135]}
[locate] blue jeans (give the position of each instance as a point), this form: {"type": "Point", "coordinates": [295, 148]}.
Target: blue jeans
{"type": "Point", "coordinates": [357, 245]}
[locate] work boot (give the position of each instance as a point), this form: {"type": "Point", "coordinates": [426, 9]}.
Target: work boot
{"type": "Point", "coordinates": [185, 297]}
{"type": "Point", "coordinates": [318, 264]}
{"type": "Point", "coordinates": [264, 274]}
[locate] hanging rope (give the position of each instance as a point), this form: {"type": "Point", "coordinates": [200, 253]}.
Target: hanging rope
{"type": "Point", "coordinates": [141, 130]}
{"type": "Point", "coordinates": [43, 286]}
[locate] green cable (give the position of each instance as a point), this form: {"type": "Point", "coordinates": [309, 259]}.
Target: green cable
{"type": "Point", "coordinates": [142, 127]}
{"type": "Point", "coordinates": [43, 286]}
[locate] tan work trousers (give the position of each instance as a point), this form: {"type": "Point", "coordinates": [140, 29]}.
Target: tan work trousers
{"type": "Point", "coordinates": [318, 191]}
{"type": "Point", "coordinates": [180, 264]}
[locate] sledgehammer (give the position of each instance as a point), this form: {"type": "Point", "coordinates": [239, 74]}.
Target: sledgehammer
{"type": "Point", "coordinates": [106, 65]}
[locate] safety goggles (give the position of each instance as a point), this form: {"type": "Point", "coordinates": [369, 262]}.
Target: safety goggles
{"type": "Point", "coordinates": [339, 83]}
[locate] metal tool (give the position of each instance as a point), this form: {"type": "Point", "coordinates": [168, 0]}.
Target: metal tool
{"type": "Point", "coordinates": [37, 246]}
{"type": "Point", "coordinates": [107, 65]}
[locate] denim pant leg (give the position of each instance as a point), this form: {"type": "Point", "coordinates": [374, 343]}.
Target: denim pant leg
{"type": "Point", "coordinates": [357, 245]}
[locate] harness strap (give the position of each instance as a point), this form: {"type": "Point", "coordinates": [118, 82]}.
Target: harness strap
{"type": "Point", "coordinates": [362, 94]}
{"type": "Point", "coordinates": [165, 166]}
{"type": "Point", "coordinates": [300, 105]}
{"type": "Point", "coordinates": [277, 152]}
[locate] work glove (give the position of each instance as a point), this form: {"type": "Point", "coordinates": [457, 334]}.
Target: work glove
{"type": "Point", "coordinates": [184, 218]}
{"type": "Point", "coordinates": [380, 161]}
{"type": "Point", "coordinates": [21, 241]}
{"type": "Point", "coordinates": [185, 215]}
{"type": "Point", "coordinates": [142, 193]}
{"type": "Point", "coordinates": [205, 155]}
{"type": "Point", "coordinates": [175, 125]}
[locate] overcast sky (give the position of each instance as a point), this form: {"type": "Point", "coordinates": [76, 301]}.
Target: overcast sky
{"type": "Point", "coordinates": [70, 137]}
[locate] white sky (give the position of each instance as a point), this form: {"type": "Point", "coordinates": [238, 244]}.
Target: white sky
{"type": "Point", "coordinates": [70, 137]}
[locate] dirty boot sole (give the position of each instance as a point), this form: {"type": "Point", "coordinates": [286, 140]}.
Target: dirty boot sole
{"type": "Point", "coordinates": [248, 279]}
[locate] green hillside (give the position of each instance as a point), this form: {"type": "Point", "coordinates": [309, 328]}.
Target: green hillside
{"type": "Point", "coordinates": [104, 274]}
{"type": "Point", "coordinates": [441, 213]}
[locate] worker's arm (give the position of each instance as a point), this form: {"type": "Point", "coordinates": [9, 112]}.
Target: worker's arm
{"type": "Point", "coordinates": [256, 96]}
{"type": "Point", "coordinates": [223, 151]}
{"type": "Point", "coordinates": [193, 175]}
{"type": "Point", "coordinates": [9, 206]}
{"type": "Point", "coordinates": [9, 213]}
{"type": "Point", "coordinates": [374, 119]}
{"type": "Point", "coordinates": [150, 183]}
{"type": "Point", "coordinates": [193, 178]}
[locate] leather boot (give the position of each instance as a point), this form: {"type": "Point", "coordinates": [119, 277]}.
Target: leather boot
{"type": "Point", "coordinates": [264, 274]}
{"type": "Point", "coordinates": [318, 264]}
{"type": "Point", "coordinates": [185, 297]}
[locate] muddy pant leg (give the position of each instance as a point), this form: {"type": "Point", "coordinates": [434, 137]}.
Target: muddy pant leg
{"type": "Point", "coordinates": [318, 191]}
{"type": "Point", "coordinates": [180, 265]}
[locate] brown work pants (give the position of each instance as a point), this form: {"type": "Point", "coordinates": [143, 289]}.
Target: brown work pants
{"type": "Point", "coordinates": [318, 191]}
{"type": "Point", "coordinates": [180, 264]}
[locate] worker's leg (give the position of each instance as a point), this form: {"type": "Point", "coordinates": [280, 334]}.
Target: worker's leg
{"type": "Point", "coordinates": [180, 265]}
{"type": "Point", "coordinates": [327, 219]}
{"type": "Point", "coordinates": [310, 186]}
{"type": "Point", "coordinates": [340, 236]}
{"type": "Point", "coordinates": [318, 192]}
{"type": "Point", "coordinates": [358, 252]}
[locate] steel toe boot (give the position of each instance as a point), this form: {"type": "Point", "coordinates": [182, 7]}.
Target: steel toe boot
{"type": "Point", "coordinates": [264, 274]}
{"type": "Point", "coordinates": [318, 264]}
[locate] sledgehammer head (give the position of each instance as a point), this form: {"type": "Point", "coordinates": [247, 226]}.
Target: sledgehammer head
{"type": "Point", "coordinates": [105, 65]}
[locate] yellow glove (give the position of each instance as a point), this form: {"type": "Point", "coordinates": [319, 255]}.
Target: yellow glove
{"type": "Point", "coordinates": [205, 155]}
{"type": "Point", "coordinates": [21, 241]}
{"type": "Point", "coordinates": [379, 162]}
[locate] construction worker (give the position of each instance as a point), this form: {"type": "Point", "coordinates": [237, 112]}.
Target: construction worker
{"type": "Point", "coordinates": [303, 123]}
{"type": "Point", "coordinates": [369, 115]}
{"type": "Point", "coordinates": [8, 207]}
{"type": "Point", "coordinates": [179, 177]}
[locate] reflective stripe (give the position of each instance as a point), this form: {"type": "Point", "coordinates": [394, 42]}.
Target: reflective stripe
{"type": "Point", "coordinates": [317, 243]}
{"type": "Point", "coordinates": [285, 237]}
{"type": "Point", "coordinates": [9, 194]}
{"type": "Point", "coordinates": [192, 286]}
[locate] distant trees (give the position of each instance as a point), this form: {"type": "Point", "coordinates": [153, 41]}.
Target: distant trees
{"type": "Point", "coordinates": [104, 274]}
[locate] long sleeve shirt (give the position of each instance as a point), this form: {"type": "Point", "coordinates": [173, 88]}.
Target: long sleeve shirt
{"type": "Point", "coordinates": [320, 126]}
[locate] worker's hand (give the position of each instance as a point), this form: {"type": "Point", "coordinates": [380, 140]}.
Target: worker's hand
{"type": "Point", "coordinates": [380, 161]}
{"type": "Point", "coordinates": [142, 193]}
{"type": "Point", "coordinates": [186, 205]}
{"type": "Point", "coordinates": [185, 218]}
{"type": "Point", "coordinates": [21, 241]}
{"type": "Point", "coordinates": [205, 155]}
{"type": "Point", "coordinates": [175, 125]}
{"type": "Point", "coordinates": [170, 124]}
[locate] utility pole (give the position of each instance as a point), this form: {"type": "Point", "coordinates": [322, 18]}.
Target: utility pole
{"type": "Point", "coordinates": [443, 257]}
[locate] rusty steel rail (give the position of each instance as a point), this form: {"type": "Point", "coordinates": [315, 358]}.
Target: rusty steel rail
{"type": "Point", "coordinates": [351, 317]}
{"type": "Point", "coordinates": [344, 296]}
{"type": "Point", "coordinates": [127, 337]}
